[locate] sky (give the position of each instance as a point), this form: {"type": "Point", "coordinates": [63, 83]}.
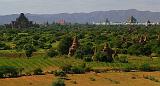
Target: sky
{"type": "Point", "coordinates": [74, 6]}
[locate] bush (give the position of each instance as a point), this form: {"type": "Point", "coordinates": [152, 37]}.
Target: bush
{"type": "Point", "coordinates": [88, 58]}
{"type": "Point", "coordinates": [64, 45]}
{"type": "Point", "coordinates": [84, 50]}
{"type": "Point", "coordinates": [102, 57]}
{"type": "Point", "coordinates": [79, 54]}
{"type": "Point", "coordinates": [66, 68]}
{"type": "Point", "coordinates": [134, 50]}
{"type": "Point", "coordinates": [52, 53]}
{"type": "Point", "coordinates": [78, 70]}
{"type": "Point", "coordinates": [38, 71]}
{"type": "Point", "coordinates": [129, 67]}
{"type": "Point", "coordinates": [145, 67]}
{"type": "Point", "coordinates": [29, 49]}
{"type": "Point", "coordinates": [58, 82]}
{"type": "Point", "coordinates": [9, 71]}
{"type": "Point", "coordinates": [151, 78]}
{"type": "Point", "coordinates": [60, 73]}
{"type": "Point", "coordinates": [122, 59]}
{"type": "Point", "coordinates": [4, 46]}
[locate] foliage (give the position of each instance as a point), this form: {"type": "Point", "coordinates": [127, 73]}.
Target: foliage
{"type": "Point", "coordinates": [9, 71]}
{"type": "Point", "coordinates": [60, 73]}
{"type": "Point", "coordinates": [88, 58]}
{"type": "Point", "coordinates": [52, 53]}
{"type": "Point", "coordinates": [84, 50]}
{"type": "Point", "coordinates": [66, 68]}
{"type": "Point", "coordinates": [145, 67]}
{"type": "Point", "coordinates": [125, 38]}
{"type": "Point", "coordinates": [129, 67]}
{"type": "Point", "coordinates": [58, 82]}
{"type": "Point", "coordinates": [100, 56]}
{"type": "Point", "coordinates": [151, 78]}
{"type": "Point", "coordinates": [76, 69]}
{"type": "Point", "coordinates": [134, 50]}
{"type": "Point", "coordinates": [122, 59]}
{"type": "Point", "coordinates": [38, 71]}
{"type": "Point", "coordinates": [64, 45]}
{"type": "Point", "coordinates": [29, 49]}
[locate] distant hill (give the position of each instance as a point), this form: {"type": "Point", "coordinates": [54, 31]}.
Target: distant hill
{"type": "Point", "coordinates": [97, 16]}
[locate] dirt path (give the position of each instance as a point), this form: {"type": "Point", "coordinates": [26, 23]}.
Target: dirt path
{"type": "Point", "coordinates": [91, 79]}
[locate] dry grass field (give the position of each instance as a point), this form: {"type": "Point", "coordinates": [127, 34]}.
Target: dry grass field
{"type": "Point", "coordinates": [90, 79]}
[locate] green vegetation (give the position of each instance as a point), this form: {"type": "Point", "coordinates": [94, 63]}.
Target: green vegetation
{"type": "Point", "coordinates": [99, 48]}
{"type": "Point", "coordinates": [58, 82]}
{"type": "Point", "coordinates": [9, 72]}
{"type": "Point", "coordinates": [113, 81]}
{"type": "Point", "coordinates": [152, 78]}
{"type": "Point", "coordinates": [60, 73]}
{"type": "Point", "coordinates": [38, 71]}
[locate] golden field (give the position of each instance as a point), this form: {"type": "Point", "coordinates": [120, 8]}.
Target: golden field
{"type": "Point", "coordinates": [101, 79]}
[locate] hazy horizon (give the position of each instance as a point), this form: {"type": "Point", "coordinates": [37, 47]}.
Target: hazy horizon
{"type": "Point", "coordinates": [74, 6]}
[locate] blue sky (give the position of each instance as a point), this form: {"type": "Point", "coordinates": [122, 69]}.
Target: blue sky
{"type": "Point", "coordinates": [72, 6]}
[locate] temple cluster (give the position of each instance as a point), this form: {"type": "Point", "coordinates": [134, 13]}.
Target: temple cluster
{"type": "Point", "coordinates": [21, 22]}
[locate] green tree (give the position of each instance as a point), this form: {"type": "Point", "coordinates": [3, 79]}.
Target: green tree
{"type": "Point", "coordinates": [64, 45]}
{"type": "Point", "coordinates": [52, 53]}
{"type": "Point", "coordinates": [29, 49]}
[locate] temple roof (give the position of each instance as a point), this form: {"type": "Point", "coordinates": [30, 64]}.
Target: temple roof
{"type": "Point", "coordinates": [132, 19]}
{"type": "Point", "coordinates": [22, 18]}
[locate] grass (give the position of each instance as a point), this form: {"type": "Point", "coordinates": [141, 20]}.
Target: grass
{"type": "Point", "coordinates": [44, 62]}
{"type": "Point", "coordinates": [27, 64]}
{"type": "Point", "coordinates": [122, 79]}
{"type": "Point", "coordinates": [113, 81]}
{"type": "Point", "coordinates": [152, 78]}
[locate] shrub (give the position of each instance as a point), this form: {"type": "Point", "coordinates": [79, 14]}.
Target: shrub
{"type": "Point", "coordinates": [129, 67]}
{"type": "Point", "coordinates": [58, 82]}
{"type": "Point", "coordinates": [84, 50]}
{"type": "Point", "coordinates": [78, 70]}
{"type": "Point", "coordinates": [100, 56]}
{"type": "Point", "coordinates": [145, 67]}
{"type": "Point", "coordinates": [29, 49]}
{"type": "Point", "coordinates": [1, 74]}
{"type": "Point", "coordinates": [52, 53]}
{"type": "Point", "coordinates": [3, 46]}
{"type": "Point", "coordinates": [79, 54]}
{"type": "Point", "coordinates": [88, 58]}
{"type": "Point", "coordinates": [154, 68]}
{"type": "Point", "coordinates": [122, 59]}
{"type": "Point", "coordinates": [38, 71]}
{"type": "Point", "coordinates": [64, 45]}
{"type": "Point", "coordinates": [66, 68]}
{"type": "Point", "coordinates": [152, 78]}
{"type": "Point", "coordinates": [60, 73]}
{"type": "Point", "coordinates": [134, 50]}
{"type": "Point", "coordinates": [9, 71]}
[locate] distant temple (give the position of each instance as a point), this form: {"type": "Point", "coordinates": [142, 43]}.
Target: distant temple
{"type": "Point", "coordinates": [131, 20]}
{"type": "Point", "coordinates": [61, 22]}
{"type": "Point", "coordinates": [148, 23]}
{"type": "Point", "coordinates": [22, 22]}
